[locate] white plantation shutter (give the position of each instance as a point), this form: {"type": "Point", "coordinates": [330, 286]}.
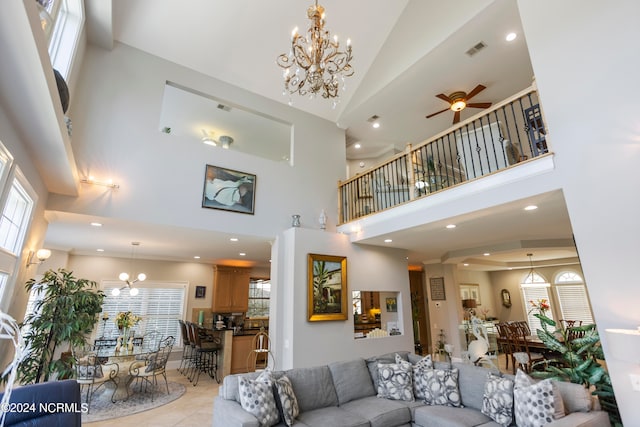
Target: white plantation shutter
{"type": "Point", "coordinates": [574, 303]}
{"type": "Point", "coordinates": [535, 293]}
{"type": "Point", "coordinates": [160, 305]}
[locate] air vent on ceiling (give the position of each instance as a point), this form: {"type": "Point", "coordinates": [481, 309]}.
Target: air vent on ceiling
{"type": "Point", "coordinates": [224, 107]}
{"type": "Point", "coordinates": [373, 118]}
{"type": "Point", "coordinates": [476, 48]}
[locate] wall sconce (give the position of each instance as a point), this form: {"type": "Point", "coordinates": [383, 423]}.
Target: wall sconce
{"type": "Point", "coordinates": [42, 255]}
{"type": "Point", "coordinates": [624, 344]}
{"type": "Point", "coordinates": [92, 181]}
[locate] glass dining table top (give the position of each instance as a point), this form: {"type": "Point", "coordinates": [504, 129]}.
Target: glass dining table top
{"type": "Point", "coordinates": [111, 353]}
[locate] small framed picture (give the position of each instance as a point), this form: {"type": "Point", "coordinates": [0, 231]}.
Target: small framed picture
{"type": "Point", "coordinates": [201, 291]}
{"type": "Point", "coordinates": [229, 190]}
{"type": "Point", "coordinates": [392, 305]}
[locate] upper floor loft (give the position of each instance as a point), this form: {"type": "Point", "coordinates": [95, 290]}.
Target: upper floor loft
{"type": "Point", "coordinates": [507, 135]}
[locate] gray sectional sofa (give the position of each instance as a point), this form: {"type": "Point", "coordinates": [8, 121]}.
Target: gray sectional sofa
{"type": "Point", "coordinates": [345, 394]}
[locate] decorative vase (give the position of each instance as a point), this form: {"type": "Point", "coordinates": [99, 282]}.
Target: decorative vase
{"type": "Point", "coordinates": [323, 220]}
{"type": "Point", "coordinates": [295, 220]}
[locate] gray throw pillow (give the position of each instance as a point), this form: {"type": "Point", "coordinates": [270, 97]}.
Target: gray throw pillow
{"type": "Point", "coordinates": [442, 387]}
{"type": "Point", "coordinates": [395, 381]}
{"type": "Point", "coordinates": [419, 378]}
{"type": "Point", "coordinates": [534, 405]}
{"type": "Point", "coordinates": [256, 397]}
{"type": "Point", "coordinates": [288, 401]}
{"type": "Point", "coordinates": [497, 402]}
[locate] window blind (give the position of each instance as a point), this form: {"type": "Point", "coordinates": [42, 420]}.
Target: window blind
{"type": "Point", "coordinates": [160, 305]}
{"type": "Point", "coordinates": [574, 303]}
{"type": "Point", "coordinates": [535, 293]}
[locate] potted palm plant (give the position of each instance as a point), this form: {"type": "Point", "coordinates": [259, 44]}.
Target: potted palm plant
{"type": "Point", "coordinates": [66, 311]}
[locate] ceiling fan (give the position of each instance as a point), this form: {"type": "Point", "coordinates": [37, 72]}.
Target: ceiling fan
{"type": "Point", "coordinates": [458, 101]}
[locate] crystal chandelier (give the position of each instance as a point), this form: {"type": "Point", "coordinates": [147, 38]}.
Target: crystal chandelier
{"type": "Point", "coordinates": [319, 67]}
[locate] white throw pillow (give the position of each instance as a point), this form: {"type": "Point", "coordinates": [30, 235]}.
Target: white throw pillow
{"type": "Point", "coordinates": [442, 387]}
{"type": "Point", "coordinates": [288, 400]}
{"type": "Point", "coordinates": [395, 381]}
{"type": "Point", "coordinates": [256, 397]}
{"type": "Point", "coordinates": [419, 378]}
{"type": "Point", "coordinates": [534, 402]}
{"type": "Point", "coordinates": [497, 401]}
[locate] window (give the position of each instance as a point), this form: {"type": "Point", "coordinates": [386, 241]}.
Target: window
{"type": "Point", "coordinates": [573, 298]}
{"type": "Point", "coordinates": [160, 305]}
{"type": "Point", "coordinates": [15, 218]}
{"type": "Point", "coordinates": [67, 18]}
{"type": "Point", "coordinates": [535, 288]}
{"type": "Point", "coordinates": [259, 297]}
{"type": "Point", "coordinates": [356, 296]}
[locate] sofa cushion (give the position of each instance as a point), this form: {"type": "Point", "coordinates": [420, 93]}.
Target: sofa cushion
{"type": "Point", "coordinates": [332, 416]}
{"type": "Point", "coordinates": [575, 397]}
{"type": "Point", "coordinates": [395, 381]}
{"type": "Point", "coordinates": [522, 379]}
{"type": "Point", "coordinates": [313, 387]}
{"type": "Point", "coordinates": [229, 389]}
{"type": "Point", "coordinates": [372, 364]}
{"type": "Point", "coordinates": [256, 397]}
{"type": "Point", "coordinates": [441, 387]}
{"type": "Point", "coordinates": [471, 381]}
{"type": "Point", "coordinates": [448, 416]}
{"type": "Point", "coordinates": [351, 380]}
{"type": "Point", "coordinates": [286, 400]}
{"type": "Point", "coordinates": [497, 401]}
{"type": "Point", "coordinates": [419, 379]}
{"type": "Point", "coordinates": [380, 412]}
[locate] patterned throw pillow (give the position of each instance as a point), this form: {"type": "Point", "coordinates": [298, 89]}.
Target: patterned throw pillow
{"type": "Point", "coordinates": [497, 402]}
{"type": "Point", "coordinates": [288, 401]}
{"type": "Point", "coordinates": [395, 381]}
{"type": "Point", "coordinates": [534, 405]}
{"type": "Point", "coordinates": [419, 379]}
{"type": "Point", "coordinates": [256, 397]}
{"type": "Point", "coordinates": [524, 380]}
{"type": "Point", "coordinates": [442, 387]}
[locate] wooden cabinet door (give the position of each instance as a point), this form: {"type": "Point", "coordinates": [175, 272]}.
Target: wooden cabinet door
{"type": "Point", "coordinates": [239, 353]}
{"type": "Point", "coordinates": [240, 290]}
{"type": "Point", "coordinates": [230, 289]}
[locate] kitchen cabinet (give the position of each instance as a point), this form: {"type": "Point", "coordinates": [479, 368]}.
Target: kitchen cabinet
{"type": "Point", "coordinates": [370, 300]}
{"type": "Point", "coordinates": [240, 352]}
{"type": "Point", "coordinates": [230, 289]}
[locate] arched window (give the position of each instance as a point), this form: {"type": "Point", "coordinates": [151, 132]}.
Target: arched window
{"type": "Point", "coordinates": [534, 289]}
{"type": "Point", "coordinates": [573, 298]}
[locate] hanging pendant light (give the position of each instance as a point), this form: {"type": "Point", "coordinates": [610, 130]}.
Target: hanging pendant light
{"type": "Point", "coordinates": [533, 278]}
{"type": "Point", "coordinates": [124, 276]}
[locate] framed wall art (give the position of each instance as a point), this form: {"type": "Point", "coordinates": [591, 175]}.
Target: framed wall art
{"type": "Point", "coordinates": [437, 288]}
{"type": "Point", "coordinates": [229, 190]}
{"type": "Point", "coordinates": [327, 287]}
{"type": "Point", "coordinates": [200, 291]}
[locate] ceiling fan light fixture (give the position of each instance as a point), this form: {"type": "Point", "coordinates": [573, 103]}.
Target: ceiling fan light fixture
{"type": "Point", "coordinates": [209, 141]}
{"type": "Point", "coordinates": [458, 105]}
{"type": "Point", "coordinates": [226, 141]}
{"type": "Point", "coordinates": [458, 101]}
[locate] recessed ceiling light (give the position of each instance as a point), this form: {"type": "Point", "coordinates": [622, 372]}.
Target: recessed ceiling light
{"type": "Point", "coordinates": [357, 146]}
{"type": "Point", "coordinates": [196, 257]}
{"type": "Point", "coordinates": [242, 254]}
{"type": "Point", "coordinates": [388, 240]}
{"type": "Point", "coordinates": [466, 264]}
{"type": "Point", "coordinates": [511, 37]}
{"type": "Point", "coordinates": [376, 125]}
{"type": "Point", "coordinates": [486, 254]}
{"type": "Point", "coordinates": [531, 208]}
{"type": "Point", "coordinates": [233, 239]}
{"type": "Point", "coordinates": [99, 250]}
{"type": "Point", "coordinates": [451, 226]}
{"type": "Point", "coordinates": [96, 224]}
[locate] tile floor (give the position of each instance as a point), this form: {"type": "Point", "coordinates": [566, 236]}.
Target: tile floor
{"type": "Point", "coordinates": [194, 408]}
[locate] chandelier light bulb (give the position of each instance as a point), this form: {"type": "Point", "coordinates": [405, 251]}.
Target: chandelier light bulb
{"type": "Point", "coordinates": [142, 277]}
{"type": "Point", "coordinates": [115, 292]}
{"type": "Point", "coordinates": [134, 291]}
{"type": "Point", "coordinates": [123, 276]}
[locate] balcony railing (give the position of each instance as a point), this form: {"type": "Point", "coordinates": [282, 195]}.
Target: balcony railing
{"type": "Point", "coordinates": [502, 136]}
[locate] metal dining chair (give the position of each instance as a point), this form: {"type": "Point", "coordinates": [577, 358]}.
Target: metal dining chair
{"type": "Point", "coordinates": [153, 366]}
{"type": "Point", "coordinates": [91, 374]}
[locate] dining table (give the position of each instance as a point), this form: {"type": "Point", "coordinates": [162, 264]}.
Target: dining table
{"type": "Point", "coordinates": [123, 358]}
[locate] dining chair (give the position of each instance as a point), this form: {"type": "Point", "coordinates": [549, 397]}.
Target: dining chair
{"type": "Point", "coordinates": [153, 366]}
{"type": "Point", "coordinates": [503, 340]}
{"type": "Point", "coordinates": [521, 355]}
{"type": "Point", "coordinates": [258, 357]}
{"type": "Point", "coordinates": [91, 374]}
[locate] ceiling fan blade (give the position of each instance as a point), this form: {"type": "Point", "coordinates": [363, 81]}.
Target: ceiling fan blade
{"type": "Point", "coordinates": [456, 117]}
{"type": "Point", "coordinates": [479, 105]}
{"type": "Point", "coordinates": [443, 97]}
{"type": "Point", "coordinates": [441, 111]}
{"type": "Point", "coordinates": [475, 91]}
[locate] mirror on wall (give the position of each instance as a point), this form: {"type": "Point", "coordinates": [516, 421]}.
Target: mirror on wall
{"type": "Point", "coordinates": [375, 314]}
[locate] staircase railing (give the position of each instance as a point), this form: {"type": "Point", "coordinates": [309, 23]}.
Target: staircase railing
{"type": "Point", "coordinates": [498, 138]}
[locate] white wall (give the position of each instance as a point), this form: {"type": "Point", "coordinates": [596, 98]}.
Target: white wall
{"type": "Point", "coordinates": [586, 71]}
{"type": "Point", "coordinates": [116, 114]}
{"type": "Point", "coordinates": [298, 342]}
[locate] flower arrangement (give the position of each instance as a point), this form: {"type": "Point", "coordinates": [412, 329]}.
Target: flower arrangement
{"type": "Point", "coordinates": [126, 319]}
{"type": "Point", "coordinates": [541, 305]}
